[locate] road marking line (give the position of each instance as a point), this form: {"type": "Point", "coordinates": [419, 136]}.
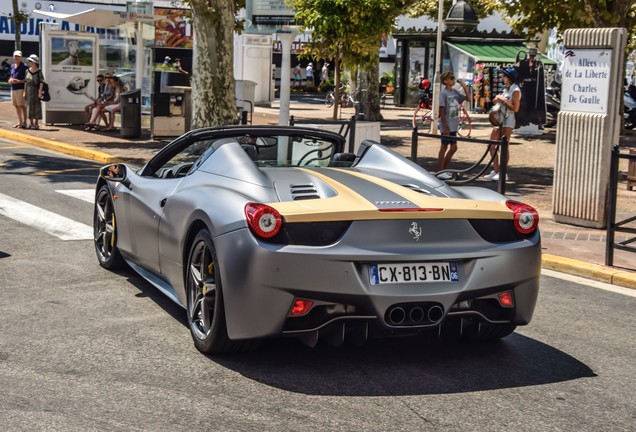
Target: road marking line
{"type": "Point", "coordinates": [87, 195]}
{"type": "Point", "coordinates": [44, 220]}
{"type": "Point", "coordinates": [64, 171]}
{"type": "Point", "coordinates": [589, 282]}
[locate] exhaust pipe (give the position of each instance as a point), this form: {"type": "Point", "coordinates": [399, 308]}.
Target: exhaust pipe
{"type": "Point", "coordinates": [435, 313]}
{"type": "Point", "coordinates": [397, 315]}
{"type": "Point", "coordinates": [416, 314]}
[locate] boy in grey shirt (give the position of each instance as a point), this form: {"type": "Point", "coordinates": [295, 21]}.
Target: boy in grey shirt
{"type": "Point", "coordinates": [449, 102]}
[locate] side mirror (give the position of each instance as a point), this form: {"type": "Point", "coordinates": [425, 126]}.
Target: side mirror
{"type": "Point", "coordinates": [114, 172]}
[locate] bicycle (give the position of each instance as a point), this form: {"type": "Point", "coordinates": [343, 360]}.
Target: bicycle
{"type": "Point", "coordinates": [423, 121]}
{"type": "Point", "coordinates": [331, 97]}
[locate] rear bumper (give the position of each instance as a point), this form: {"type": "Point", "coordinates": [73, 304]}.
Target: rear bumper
{"type": "Point", "coordinates": [261, 281]}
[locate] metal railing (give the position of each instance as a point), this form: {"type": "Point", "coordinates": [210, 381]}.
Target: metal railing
{"type": "Point", "coordinates": [503, 160]}
{"type": "Point", "coordinates": [347, 128]}
{"type": "Point", "coordinates": [613, 226]}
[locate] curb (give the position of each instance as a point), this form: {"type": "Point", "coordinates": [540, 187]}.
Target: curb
{"type": "Point", "coordinates": [60, 147]}
{"type": "Point", "coordinates": [574, 267]}
{"type": "Point", "coordinates": [587, 270]}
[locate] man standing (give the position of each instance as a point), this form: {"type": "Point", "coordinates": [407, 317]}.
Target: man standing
{"type": "Point", "coordinates": [309, 74]}
{"type": "Point", "coordinates": [449, 102]}
{"type": "Point", "coordinates": [17, 80]}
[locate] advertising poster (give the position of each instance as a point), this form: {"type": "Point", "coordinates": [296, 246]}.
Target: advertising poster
{"type": "Point", "coordinates": [70, 69]}
{"type": "Point", "coordinates": [173, 30]}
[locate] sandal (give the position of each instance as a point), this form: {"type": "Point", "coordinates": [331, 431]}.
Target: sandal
{"type": "Point", "coordinates": [17, 125]}
{"type": "Point", "coordinates": [35, 127]}
{"type": "Point", "coordinates": [88, 127]}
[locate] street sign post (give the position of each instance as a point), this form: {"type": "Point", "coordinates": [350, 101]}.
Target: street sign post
{"type": "Point", "coordinates": [275, 16]}
{"type": "Point", "coordinates": [589, 124]}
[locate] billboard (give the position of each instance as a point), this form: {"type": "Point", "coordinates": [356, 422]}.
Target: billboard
{"type": "Point", "coordinates": [70, 62]}
{"type": "Point", "coordinates": [173, 29]}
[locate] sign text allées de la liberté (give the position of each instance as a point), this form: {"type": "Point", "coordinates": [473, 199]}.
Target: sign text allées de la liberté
{"type": "Point", "coordinates": [585, 80]}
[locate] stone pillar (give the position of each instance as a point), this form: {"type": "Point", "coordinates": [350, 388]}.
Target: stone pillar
{"type": "Point", "coordinates": [588, 124]}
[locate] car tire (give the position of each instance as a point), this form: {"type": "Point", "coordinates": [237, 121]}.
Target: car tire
{"type": "Point", "coordinates": [491, 332]}
{"type": "Point", "coordinates": [105, 231]}
{"type": "Point", "coordinates": [205, 307]}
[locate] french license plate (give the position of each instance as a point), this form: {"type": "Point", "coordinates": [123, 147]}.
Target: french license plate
{"type": "Point", "coordinates": [396, 273]}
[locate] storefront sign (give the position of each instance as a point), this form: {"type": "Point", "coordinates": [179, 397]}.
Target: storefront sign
{"type": "Point", "coordinates": [268, 16]}
{"type": "Point", "coordinates": [585, 78]}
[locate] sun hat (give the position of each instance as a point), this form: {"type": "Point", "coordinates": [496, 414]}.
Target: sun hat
{"type": "Point", "coordinates": [511, 73]}
{"type": "Point", "coordinates": [17, 53]}
{"type": "Point", "coordinates": [33, 58]}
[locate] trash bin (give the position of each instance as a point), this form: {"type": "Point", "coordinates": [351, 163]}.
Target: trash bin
{"type": "Point", "coordinates": [131, 113]}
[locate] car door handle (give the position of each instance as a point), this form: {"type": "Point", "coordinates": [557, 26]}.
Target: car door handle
{"type": "Point", "coordinates": [163, 202]}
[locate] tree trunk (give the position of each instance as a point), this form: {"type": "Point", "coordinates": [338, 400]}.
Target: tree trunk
{"type": "Point", "coordinates": [18, 25]}
{"type": "Point", "coordinates": [213, 94]}
{"type": "Point", "coordinates": [371, 107]}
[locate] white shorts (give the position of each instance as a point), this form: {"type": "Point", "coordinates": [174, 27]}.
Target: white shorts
{"type": "Point", "coordinates": [114, 107]}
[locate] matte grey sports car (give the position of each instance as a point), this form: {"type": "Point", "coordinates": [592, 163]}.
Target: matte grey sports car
{"type": "Point", "coordinates": [273, 231]}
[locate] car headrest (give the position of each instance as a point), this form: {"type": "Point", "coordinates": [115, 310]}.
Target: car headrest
{"type": "Point", "coordinates": [342, 160]}
{"type": "Point", "coordinates": [251, 151]}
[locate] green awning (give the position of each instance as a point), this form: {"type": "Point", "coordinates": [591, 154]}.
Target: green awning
{"type": "Point", "coordinates": [495, 52]}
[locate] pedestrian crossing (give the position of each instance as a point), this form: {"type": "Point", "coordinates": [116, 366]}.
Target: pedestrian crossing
{"type": "Point", "coordinates": [46, 221]}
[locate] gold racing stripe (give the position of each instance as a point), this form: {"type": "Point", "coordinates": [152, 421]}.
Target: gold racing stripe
{"type": "Point", "coordinates": [470, 209]}
{"type": "Point", "coordinates": [349, 205]}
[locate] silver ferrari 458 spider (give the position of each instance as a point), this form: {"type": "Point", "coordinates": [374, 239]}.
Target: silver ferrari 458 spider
{"type": "Point", "coordinates": [271, 231]}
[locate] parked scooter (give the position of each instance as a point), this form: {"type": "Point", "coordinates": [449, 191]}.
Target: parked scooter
{"type": "Point", "coordinates": [5, 70]}
{"type": "Point", "coordinates": [629, 109]}
{"type": "Point", "coordinates": [552, 103]}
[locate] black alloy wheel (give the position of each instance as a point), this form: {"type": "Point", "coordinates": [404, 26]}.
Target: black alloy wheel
{"type": "Point", "coordinates": [105, 231]}
{"type": "Point", "coordinates": [206, 312]}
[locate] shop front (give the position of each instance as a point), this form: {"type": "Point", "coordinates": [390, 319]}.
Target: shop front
{"type": "Point", "coordinates": [480, 64]}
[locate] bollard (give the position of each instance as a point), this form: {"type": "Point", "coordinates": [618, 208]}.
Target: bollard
{"type": "Point", "coordinates": [414, 145]}
{"type": "Point", "coordinates": [503, 165]}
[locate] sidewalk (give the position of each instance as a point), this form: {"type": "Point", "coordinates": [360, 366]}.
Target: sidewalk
{"type": "Point", "coordinates": [567, 248]}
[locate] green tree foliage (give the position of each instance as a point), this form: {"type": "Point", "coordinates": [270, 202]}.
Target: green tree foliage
{"type": "Point", "coordinates": [347, 31]}
{"type": "Point", "coordinates": [430, 8]}
{"type": "Point", "coordinates": [536, 16]}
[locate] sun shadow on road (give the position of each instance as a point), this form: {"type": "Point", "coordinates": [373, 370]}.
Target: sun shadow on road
{"type": "Point", "coordinates": [407, 366]}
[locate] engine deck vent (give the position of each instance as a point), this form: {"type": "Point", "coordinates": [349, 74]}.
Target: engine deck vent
{"type": "Point", "coordinates": [304, 191]}
{"type": "Point", "coordinates": [416, 188]}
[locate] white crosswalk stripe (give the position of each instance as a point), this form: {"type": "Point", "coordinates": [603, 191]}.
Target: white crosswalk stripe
{"type": "Point", "coordinates": [87, 195]}
{"type": "Point", "coordinates": [44, 220]}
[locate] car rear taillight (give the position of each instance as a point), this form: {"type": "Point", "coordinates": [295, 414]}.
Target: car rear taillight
{"type": "Point", "coordinates": [506, 299]}
{"type": "Point", "coordinates": [263, 220]}
{"type": "Point", "coordinates": [301, 307]}
{"type": "Point", "coordinates": [526, 217]}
